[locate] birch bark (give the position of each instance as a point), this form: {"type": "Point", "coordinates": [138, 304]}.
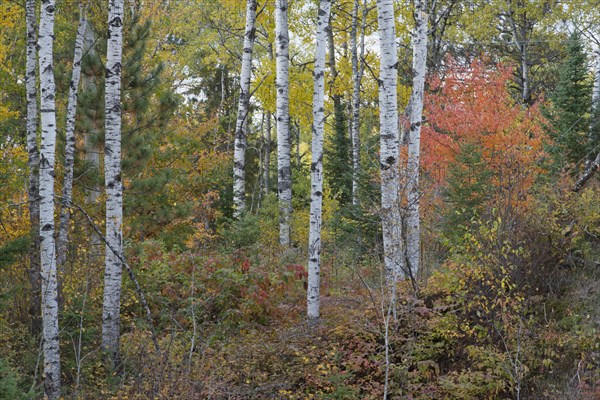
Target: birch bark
{"type": "Point", "coordinates": [267, 154]}
{"type": "Point", "coordinates": [114, 189]}
{"type": "Point", "coordinates": [67, 190]}
{"type": "Point", "coordinates": [592, 164]}
{"type": "Point", "coordinates": [389, 141]}
{"type": "Point", "coordinates": [284, 170]}
{"type": "Point", "coordinates": [33, 161]}
{"type": "Point", "coordinates": [47, 246]}
{"type": "Point", "coordinates": [521, 42]}
{"type": "Point", "coordinates": [239, 152]}
{"type": "Point", "coordinates": [413, 228]}
{"type": "Point", "coordinates": [316, 168]}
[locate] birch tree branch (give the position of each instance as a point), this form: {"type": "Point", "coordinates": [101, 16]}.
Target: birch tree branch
{"type": "Point", "coordinates": [130, 272]}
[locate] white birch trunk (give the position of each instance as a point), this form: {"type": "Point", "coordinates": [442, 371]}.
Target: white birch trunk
{"type": "Point", "coordinates": [47, 154]}
{"type": "Point", "coordinates": [593, 162]}
{"type": "Point", "coordinates": [525, 74]}
{"type": "Point", "coordinates": [67, 190]}
{"type": "Point", "coordinates": [389, 141]}
{"type": "Point", "coordinates": [284, 170]}
{"type": "Point", "coordinates": [355, 126]}
{"type": "Point", "coordinates": [239, 152]}
{"type": "Point", "coordinates": [267, 155]}
{"type": "Point", "coordinates": [520, 41]}
{"type": "Point", "coordinates": [114, 188]}
{"type": "Point", "coordinates": [413, 228]}
{"type": "Point", "coordinates": [316, 168]}
{"type": "Point", "coordinates": [596, 87]}
{"type": "Point", "coordinates": [34, 164]}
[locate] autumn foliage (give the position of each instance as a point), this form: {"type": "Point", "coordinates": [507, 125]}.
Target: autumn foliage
{"type": "Point", "coordinates": [470, 110]}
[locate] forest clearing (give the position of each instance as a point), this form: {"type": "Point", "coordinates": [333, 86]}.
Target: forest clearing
{"type": "Point", "coordinates": [300, 199]}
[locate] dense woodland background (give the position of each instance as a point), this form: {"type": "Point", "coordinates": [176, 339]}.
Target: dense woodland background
{"type": "Point", "coordinates": [506, 302]}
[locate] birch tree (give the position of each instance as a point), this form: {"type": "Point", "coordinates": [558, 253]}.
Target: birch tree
{"type": "Point", "coordinates": [389, 141]}
{"type": "Point", "coordinates": [316, 167]}
{"type": "Point", "coordinates": [357, 72]}
{"type": "Point", "coordinates": [284, 170]}
{"type": "Point", "coordinates": [67, 190]}
{"type": "Point", "coordinates": [413, 228]}
{"type": "Point", "coordinates": [114, 189]}
{"type": "Point", "coordinates": [33, 162]}
{"type": "Point", "coordinates": [47, 246]}
{"type": "Point", "coordinates": [239, 152]}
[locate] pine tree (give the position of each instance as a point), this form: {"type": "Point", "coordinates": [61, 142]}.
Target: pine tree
{"type": "Point", "coordinates": [338, 153]}
{"type": "Point", "coordinates": [147, 107]}
{"type": "Point", "coordinates": [469, 186]}
{"type": "Point", "coordinates": [570, 112]}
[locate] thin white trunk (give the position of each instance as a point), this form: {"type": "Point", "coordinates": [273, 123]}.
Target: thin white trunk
{"type": "Point", "coordinates": [596, 88]}
{"type": "Point", "coordinates": [593, 162]}
{"type": "Point", "coordinates": [413, 228]}
{"type": "Point", "coordinates": [47, 154]}
{"type": "Point", "coordinates": [284, 170]}
{"type": "Point", "coordinates": [316, 167]}
{"type": "Point", "coordinates": [525, 74]}
{"type": "Point", "coordinates": [267, 154]}
{"type": "Point", "coordinates": [114, 188]}
{"type": "Point", "coordinates": [239, 152]}
{"type": "Point", "coordinates": [355, 126]}
{"type": "Point", "coordinates": [389, 141]}
{"type": "Point", "coordinates": [34, 163]}
{"type": "Point", "coordinates": [67, 191]}
{"type": "Point", "coordinates": [520, 40]}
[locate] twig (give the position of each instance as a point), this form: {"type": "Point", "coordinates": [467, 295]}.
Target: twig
{"type": "Point", "coordinates": [194, 327]}
{"type": "Point", "coordinates": [129, 271]}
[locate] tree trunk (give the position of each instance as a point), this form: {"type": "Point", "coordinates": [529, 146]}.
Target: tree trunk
{"type": "Point", "coordinates": [35, 299]}
{"type": "Point", "coordinates": [239, 152]}
{"type": "Point", "coordinates": [316, 167]}
{"type": "Point", "coordinates": [413, 228]}
{"type": "Point", "coordinates": [521, 42]}
{"type": "Point", "coordinates": [67, 191]}
{"type": "Point", "coordinates": [389, 141]}
{"type": "Point", "coordinates": [267, 154]}
{"type": "Point", "coordinates": [114, 189]}
{"type": "Point", "coordinates": [284, 170]}
{"type": "Point", "coordinates": [593, 162]}
{"type": "Point", "coordinates": [526, 95]}
{"type": "Point", "coordinates": [47, 247]}
{"type": "Point", "coordinates": [357, 72]}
